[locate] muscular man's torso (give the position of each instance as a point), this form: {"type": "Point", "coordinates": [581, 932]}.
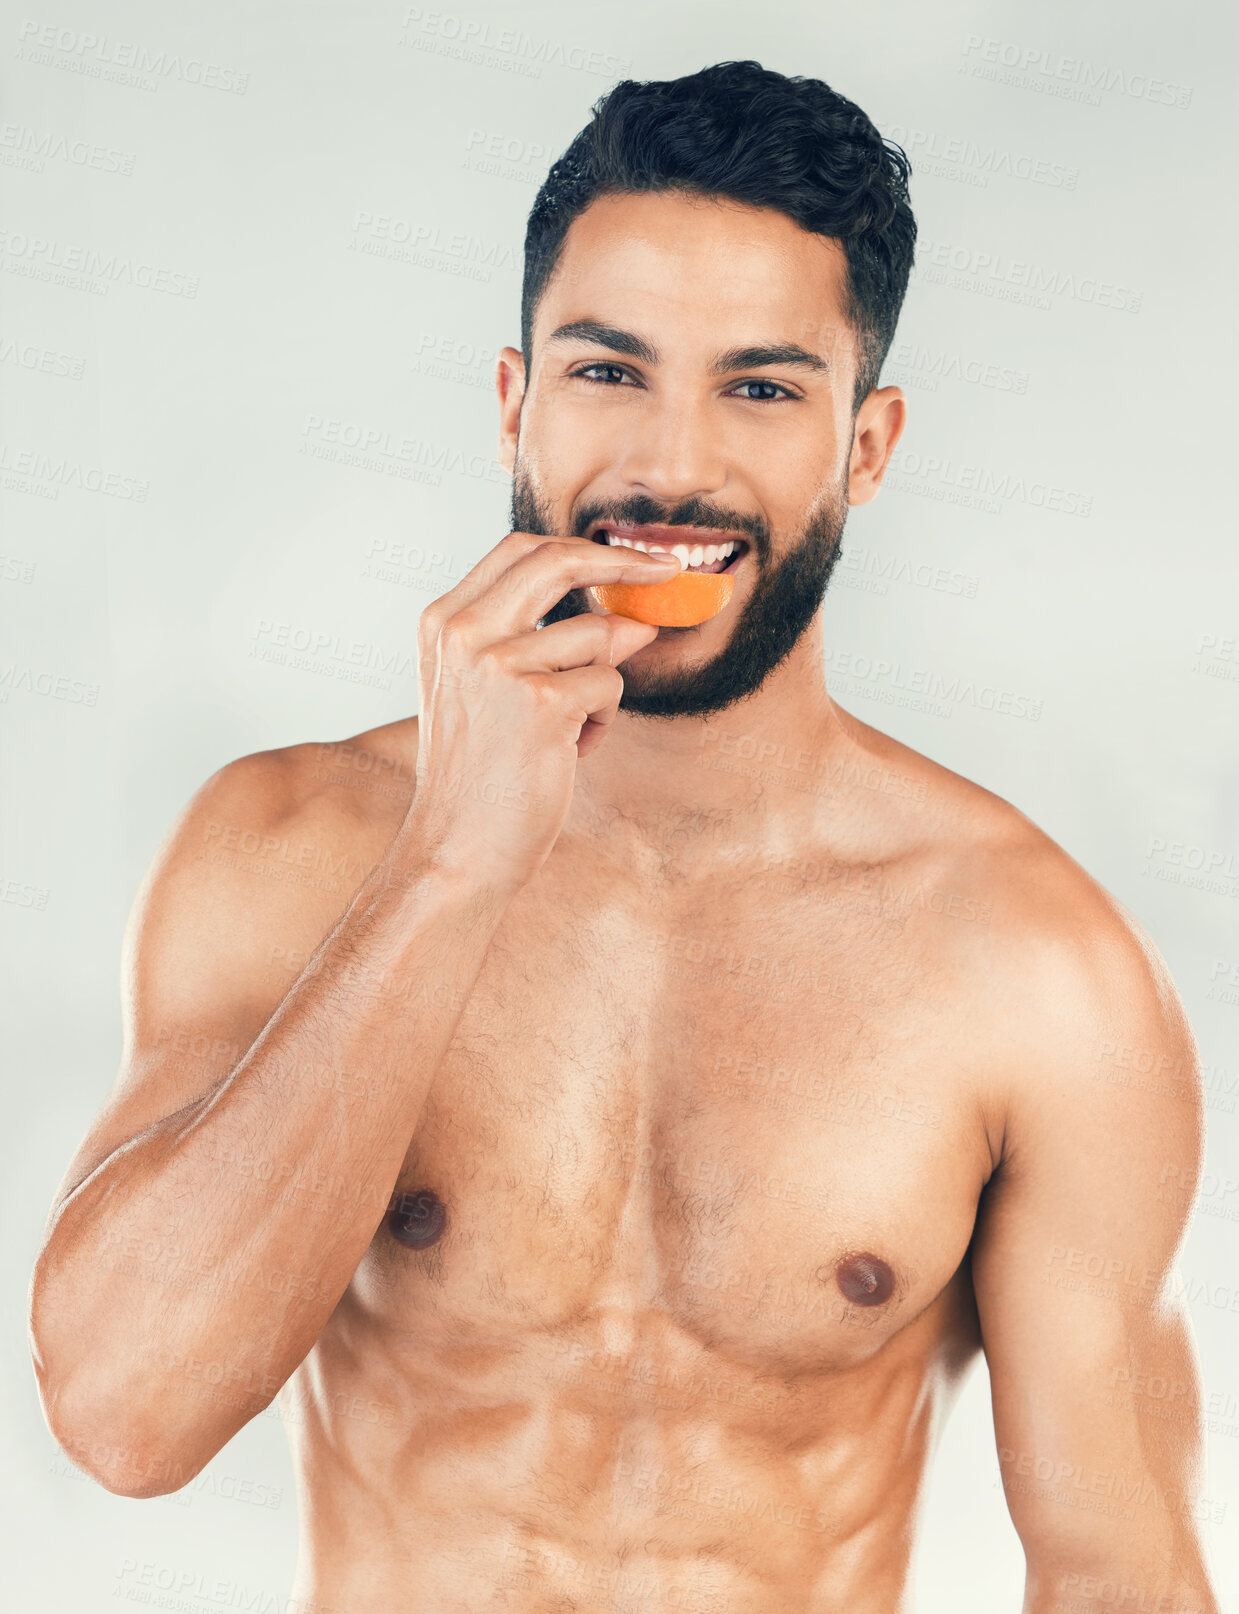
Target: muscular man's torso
{"type": "Point", "coordinates": [673, 1294]}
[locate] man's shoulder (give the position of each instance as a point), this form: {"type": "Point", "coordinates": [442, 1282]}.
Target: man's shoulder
{"type": "Point", "coordinates": [281, 839]}
{"type": "Point", "coordinates": [1040, 896]}
{"type": "Point", "coordinates": [1051, 941]}
{"type": "Point", "coordinates": [1071, 986]}
{"type": "Point", "coordinates": [1037, 894]}
{"type": "Point", "coordinates": [259, 864]}
{"type": "Point", "coordinates": [1055, 927]}
{"type": "Point", "coordinates": [353, 787]}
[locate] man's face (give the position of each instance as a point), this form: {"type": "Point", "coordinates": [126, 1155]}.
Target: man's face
{"type": "Point", "coordinates": [692, 367]}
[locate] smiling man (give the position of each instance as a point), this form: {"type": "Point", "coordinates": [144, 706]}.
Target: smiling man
{"type": "Point", "coordinates": [668, 1085]}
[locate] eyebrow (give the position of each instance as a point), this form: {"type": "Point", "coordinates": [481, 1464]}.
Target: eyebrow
{"type": "Point", "coordinates": [593, 330]}
{"type": "Point", "coordinates": [752, 358]}
{"type": "Point", "coordinates": [736, 358]}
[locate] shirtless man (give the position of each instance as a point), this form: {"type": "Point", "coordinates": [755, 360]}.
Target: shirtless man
{"type": "Point", "coordinates": [613, 1111]}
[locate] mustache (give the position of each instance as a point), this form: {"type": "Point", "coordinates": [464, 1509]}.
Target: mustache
{"type": "Point", "coordinates": [642, 510]}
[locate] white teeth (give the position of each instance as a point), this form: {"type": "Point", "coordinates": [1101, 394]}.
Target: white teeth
{"type": "Point", "coordinates": [696, 555]}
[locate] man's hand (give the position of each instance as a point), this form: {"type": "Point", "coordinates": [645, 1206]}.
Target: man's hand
{"type": "Point", "coordinates": [507, 710]}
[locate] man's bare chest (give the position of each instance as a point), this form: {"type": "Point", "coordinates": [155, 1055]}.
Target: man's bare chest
{"type": "Point", "coordinates": [751, 1116]}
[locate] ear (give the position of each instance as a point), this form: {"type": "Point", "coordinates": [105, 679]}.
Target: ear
{"type": "Point", "coordinates": [510, 386]}
{"type": "Point", "coordinates": [879, 426]}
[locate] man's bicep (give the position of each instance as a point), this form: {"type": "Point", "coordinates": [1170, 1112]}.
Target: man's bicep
{"type": "Point", "coordinates": [1091, 1362]}
{"type": "Point", "coordinates": [1093, 1377]}
{"type": "Point", "coordinates": [208, 954]}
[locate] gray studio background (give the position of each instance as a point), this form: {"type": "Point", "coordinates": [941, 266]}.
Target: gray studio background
{"type": "Point", "coordinates": [306, 224]}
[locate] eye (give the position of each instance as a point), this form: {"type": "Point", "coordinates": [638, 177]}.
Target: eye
{"type": "Point", "coordinates": [613, 373]}
{"type": "Point", "coordinates": [768, 395]}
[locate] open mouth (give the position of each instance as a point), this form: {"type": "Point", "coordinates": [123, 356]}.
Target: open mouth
{"type": "Point", "coordinates": [699, 550]}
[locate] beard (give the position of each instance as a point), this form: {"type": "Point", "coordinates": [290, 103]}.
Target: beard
{"type": "Point", "coordinates": [784, 601]}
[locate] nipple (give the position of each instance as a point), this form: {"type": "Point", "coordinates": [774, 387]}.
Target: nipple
{"type": "Point", "coordinates": [865, 1279]}
{"type": "Point", "coordinates": [417, 1219]}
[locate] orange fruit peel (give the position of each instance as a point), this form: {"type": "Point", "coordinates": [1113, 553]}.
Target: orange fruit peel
{"type": "Point", "coordinates": [681, 602]}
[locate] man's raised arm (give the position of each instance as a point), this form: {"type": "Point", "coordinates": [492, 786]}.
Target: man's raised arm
{"type": "Point", "coordinates": [172, 1237]}
{"type": "Point", "coordinates": [154, 1254]}
{"type": "Point", "coordinates": [1095, 1391]}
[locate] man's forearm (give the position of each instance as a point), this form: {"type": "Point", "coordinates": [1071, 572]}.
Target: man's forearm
{"type": "Point", "coordinates": [228, 1232]}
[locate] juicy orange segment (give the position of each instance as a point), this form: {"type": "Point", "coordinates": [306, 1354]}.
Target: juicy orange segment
{"type": "Point", "coordinates": [682, 602]}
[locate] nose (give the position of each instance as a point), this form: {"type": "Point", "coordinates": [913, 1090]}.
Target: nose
{"type": "Point", "coordinates": [673, 451]}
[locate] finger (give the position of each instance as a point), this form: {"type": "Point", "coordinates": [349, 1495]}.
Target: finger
{"type": "Point", "coordinates": [590, 697]}
{"type": "Point", "coordinates": [628, 636]}
{"type": "Point", "coordinates": [471, 587]}
{"type": "Point", "coordinates": [594, 636]}
{"type": "Point", "coordinates": [489, 570]}
{"type": "Point", "coordinates": [528, 589]}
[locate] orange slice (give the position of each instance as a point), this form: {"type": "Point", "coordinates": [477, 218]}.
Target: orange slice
{"type": "Point", "coordinates": [682, 602]}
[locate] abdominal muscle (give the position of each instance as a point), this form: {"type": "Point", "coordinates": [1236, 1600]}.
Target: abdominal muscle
{"type": "Point", "coordinates": [613, 1465]}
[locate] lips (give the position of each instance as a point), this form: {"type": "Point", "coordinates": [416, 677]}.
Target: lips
{"type": "Point", "coordinates": [701, 549]}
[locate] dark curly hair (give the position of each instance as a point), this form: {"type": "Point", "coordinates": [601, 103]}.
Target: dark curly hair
{"type": "Point", "coordinates": [740, 131]}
